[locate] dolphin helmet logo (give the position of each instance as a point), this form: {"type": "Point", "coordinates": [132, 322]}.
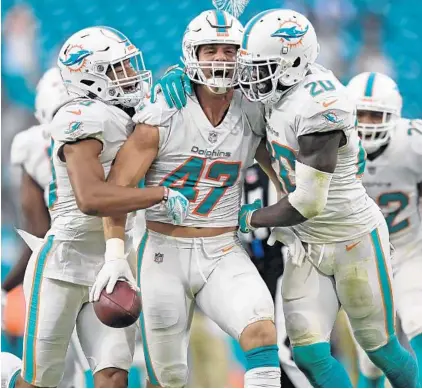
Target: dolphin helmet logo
{"type": "Point", "coordinates": [291, 33]}
{"type": "Point", "coordinates": [75, 58]}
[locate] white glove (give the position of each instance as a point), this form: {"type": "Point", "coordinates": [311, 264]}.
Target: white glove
{"type": "Point", "coordinates": [3, 304]}
{"type": "Point", "coordinates": [285, 235]}
{"type": "Point", "coordinates": [177, 206]}
{"type": "Point", "coordinates": [115, 267]}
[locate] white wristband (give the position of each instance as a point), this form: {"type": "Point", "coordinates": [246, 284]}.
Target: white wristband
{"type": "Point", "coordinates": [115, 249]}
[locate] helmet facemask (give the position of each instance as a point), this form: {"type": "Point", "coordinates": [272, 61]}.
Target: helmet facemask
{"type": "Point", "coordinates": [125, 80]}
{"type": "Point", "coordinates": [377, 134]}
{"type": "Point", "coordinates": [259, 79]}
{"type": "Point", "coordinates": [218, 76]}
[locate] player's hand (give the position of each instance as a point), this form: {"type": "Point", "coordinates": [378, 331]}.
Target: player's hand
{"type": "Point", "coordinates": [174, 85]}
{"type": "Point", "coordinates": [295, 249]}
{"type": "Point", "coordinates": [112, 270]}
{"type": "Point", "coordinates": [177, 206]}
{"type": "Point", "coordinates": [245, 215]}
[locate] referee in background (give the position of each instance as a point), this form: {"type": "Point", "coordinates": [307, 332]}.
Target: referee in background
{"type": "Point", "coordinates": [269, 262]}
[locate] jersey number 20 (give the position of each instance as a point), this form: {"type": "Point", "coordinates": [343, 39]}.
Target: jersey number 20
{"type": "Point", "coordinates": [186, 177]}
{"type": "Point", "coordinates": [286, 158]}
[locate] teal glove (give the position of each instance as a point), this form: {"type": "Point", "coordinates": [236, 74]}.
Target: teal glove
{"type": "Point", "coordinates": [175, 85]}
{"type": "Point", "coordinates": [245, 215]}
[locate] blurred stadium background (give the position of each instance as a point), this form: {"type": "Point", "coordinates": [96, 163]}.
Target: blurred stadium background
{"type": "Point", "coordinates": [355, 36]}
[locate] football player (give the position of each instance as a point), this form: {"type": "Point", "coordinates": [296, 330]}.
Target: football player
{"type": "Point", "coordinates": [202, 150]}
{"type": "Point", "coordinates": [393, 178]}
{"type": "Point", "coordinates": [320, 160]}
{"type": "Point", "coordinates": [105, 73]}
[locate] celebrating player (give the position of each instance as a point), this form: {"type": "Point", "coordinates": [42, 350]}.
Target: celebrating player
{"type": "Point", "coordinates": [393, 178]}
{"type": "Point", "coordinates": [31, 151]}
{"type": "Point", "coordinates": [316, 150]}
{"type": "Point", "coordinates": [202, 150]}
{"type": "Point", "coordinates": [106, 74]}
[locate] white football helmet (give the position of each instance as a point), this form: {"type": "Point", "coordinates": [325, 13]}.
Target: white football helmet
{"type": "Point", "coordinates": [101, 63]}
{"type": "Point", "coordinates": [278, 46]}
{"type": "Point", "coordinates": [376, 92]}
{"type": "Point", "coordinates": [51, 94]}
{"type": "Point", "coordinates": [211, 27]}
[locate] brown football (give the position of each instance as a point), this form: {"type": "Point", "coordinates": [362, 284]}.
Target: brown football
{"type": "Point", "coordinates": [119, 309]}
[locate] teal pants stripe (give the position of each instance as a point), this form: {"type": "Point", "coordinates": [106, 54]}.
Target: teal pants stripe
{"type": "Point", "coordinates": [29, 356]}
{"type": "Point", "coordinates": [151, 374]}
{"type": "Point", "coordinates": [385, 283]}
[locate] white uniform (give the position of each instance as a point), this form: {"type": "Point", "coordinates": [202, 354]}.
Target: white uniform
{"type": "Point", "coordinates": [60, 272]}
{"type": "Point", "coordinates": [207, 164]}
{"type": "Point", "coordinates": [391, 180]}
{"type": "Point", "coordinates": [31, 149]}
{"type": "Point", "coordinates": [348, 242]}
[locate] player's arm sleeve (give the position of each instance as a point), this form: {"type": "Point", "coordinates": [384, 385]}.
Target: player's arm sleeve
{"type": "Point", "coordinates": [339, 115]}
{"type": "Point", "coordinates": [157, 115]}
{"type": "Point", "coordinates": [77, 122]}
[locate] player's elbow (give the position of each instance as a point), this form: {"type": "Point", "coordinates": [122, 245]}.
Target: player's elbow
{"type": "Point", "coordinates": [88, 203]}
{"type": "Point", "coordinates": [315, 207]}
{"type": "Point", "coordinates": [308, 206]}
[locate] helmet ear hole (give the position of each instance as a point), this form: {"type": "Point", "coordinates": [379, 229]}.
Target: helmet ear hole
{"type": "Point", "coordinates": [87, 82]}
{"type": "Point", "coordinates": [296, 63]}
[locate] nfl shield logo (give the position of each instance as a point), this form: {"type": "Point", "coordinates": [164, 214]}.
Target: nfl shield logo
{"type": "Point", "coordinates": [158, 257]}
{"type": "Point", "coordinates": [212, 137]}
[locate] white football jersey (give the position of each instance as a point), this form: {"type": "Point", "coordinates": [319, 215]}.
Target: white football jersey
{"type": "Point", "coordinates": [81, 119]}
{"type": "Point", "coordinates": [391, 180]}
{"type": "Point", "coordinates": [31, 150]}
{"type": "Point", "coordinates": [319, 104]}
{"type": "Point", "coordinates": [205, 163]}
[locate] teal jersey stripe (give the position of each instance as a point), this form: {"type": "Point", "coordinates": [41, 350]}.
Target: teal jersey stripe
{"type": "Point", "coordinates": [220, 17]}
{"type": "Point", "coordinates": [385, 283]}
{"type": "Point", "coordinates": [52, 187]}
{"type": "Point", "coordinates": [151, 374]}
{"type": "Point", "coordinates": [370, 85]}
{"type": "Point", "coordinates": [250, 25]}
{"type": "Point", "coordinates": [361, 160]}
{"type": "Point", "coordinates": [29, 357]}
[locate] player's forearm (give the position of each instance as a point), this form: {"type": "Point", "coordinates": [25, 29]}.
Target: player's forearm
{"type": "Point", "coordinates": [115, 227]}
{"type": "Point", "coordinates": [105, 199]}
{"type": "Point", "coordinates": [17, 273]}
{"type": "Point", "coordinates": [281, 214]}
{"type": "Point", "coordinates": [37, 222]}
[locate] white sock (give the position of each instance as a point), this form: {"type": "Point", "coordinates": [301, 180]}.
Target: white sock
{"type": "Point", "coordinates": [10, 364]}
{"type": "Point", "coordinates": [263, 377]}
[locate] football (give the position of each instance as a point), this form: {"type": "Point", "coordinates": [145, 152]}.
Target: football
{"type": "Point", "coordinates": [119, 309]}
